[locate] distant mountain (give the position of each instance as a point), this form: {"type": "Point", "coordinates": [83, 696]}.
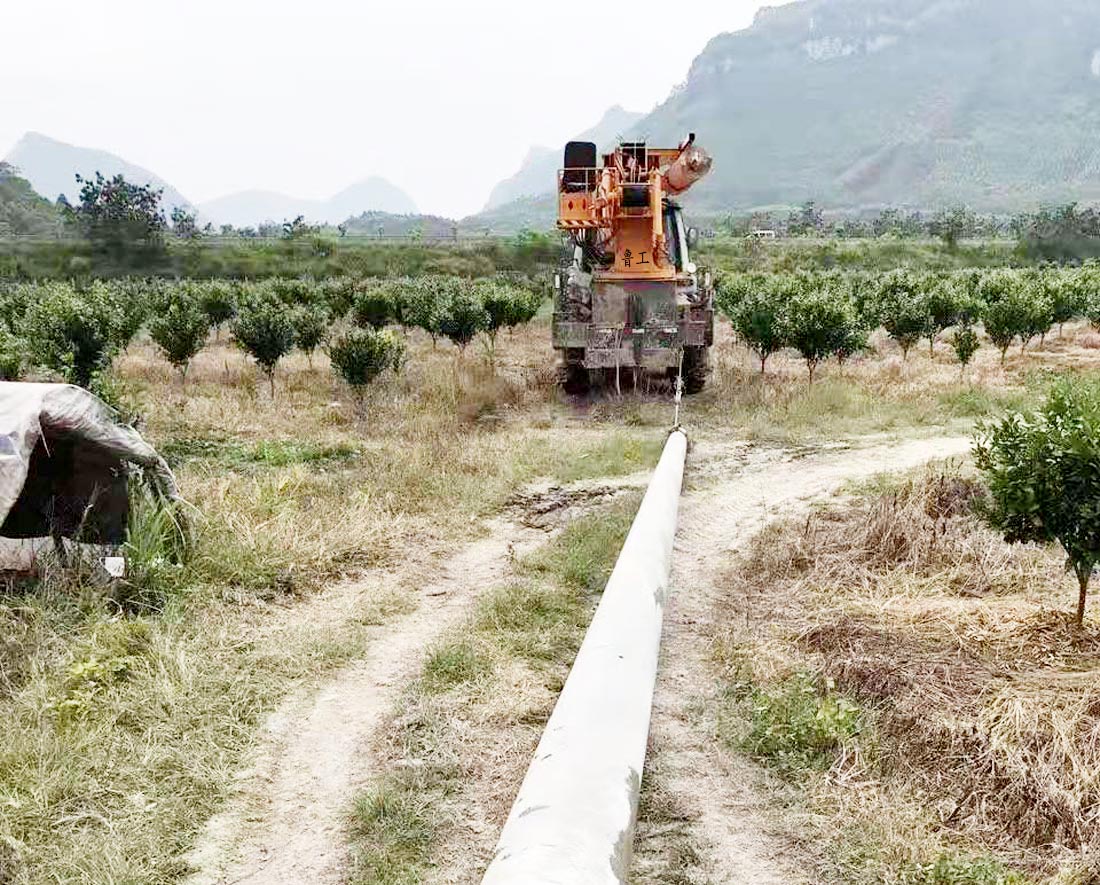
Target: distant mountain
{"type": "Point", "coordinates": [926, 103]}
{"type": "Point", "coordinates": [858, 104]}
{"type": "Point", "coordinates": [249, 208]}
{"type": "Point", "coordinates": [51, 167]}
{"type": "Point", "coordinates": [22, 211]}
{"type": "Point", "coordinates": [539, 170]}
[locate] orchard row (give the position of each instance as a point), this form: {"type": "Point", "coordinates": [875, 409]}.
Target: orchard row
{"type": "Point", "coordinates": [74, 331]}
{"type": "Point", "coordinates": [831, 314]}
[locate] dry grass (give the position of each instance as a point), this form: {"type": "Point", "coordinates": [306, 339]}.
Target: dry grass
{"type": "Point", "coordinates": [465, 731]}
{"type": "Point", "coordinates": [114, 752]}
{"type": "Point", "coordinates": [984, 718]}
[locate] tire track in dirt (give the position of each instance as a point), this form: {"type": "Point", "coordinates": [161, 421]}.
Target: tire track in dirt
{"type": "Point", "coordinates": [727, 814]}
{"type": "Point", "coordinates": [287, 824]}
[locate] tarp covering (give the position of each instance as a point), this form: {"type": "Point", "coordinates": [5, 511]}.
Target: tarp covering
{"type": "Point", "coordinates": [64, 464]}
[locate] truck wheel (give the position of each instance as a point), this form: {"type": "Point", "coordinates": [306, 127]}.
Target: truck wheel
{"type": "Point", "coordinates": [575, 380]}
{"type": "Point", "coordinates": [696, 368]}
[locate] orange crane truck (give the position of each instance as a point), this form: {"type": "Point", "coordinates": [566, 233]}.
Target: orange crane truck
{"type": "Point", "coordinates": [629, 301]}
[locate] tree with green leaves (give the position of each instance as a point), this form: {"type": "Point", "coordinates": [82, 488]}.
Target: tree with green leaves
{"type": "Point", "coordinates": [1007, 308]}
{"type": "Point", "coordinates": [904, 309]}
{"type": "Point", "coordinates": [374, 305]}
{"type": "Point", "coordinates": [758, 316]}
{"type": "Point", "coordinates": [506, 306]}
{"type": "Point", "coordinates": [816, 324]}
{"type": "Point", "coordinates": [179, 326]}
{"type": "Point", "coordinates": [263, 327]}
{"type": "Point", "coordinates": [1043, 472]}
{"type": "Point", "coordinates": [462, 314]}
{"type": "Point", "coordinates": [75, 333]}
{"type": "Point", "coordinates": [965, 343]}
{"type": "Point", "coordinates": [124, 222]}
{"type": "Point", "coordinates": [942, 305]}
{"type": "Point", "coordinates": [1040, 310]}
{"type": "Point", "coordinates": [361, 355]}
{"type": "Point", "coordinates": [13, 356]}
{"type": "Point", "coordinates": [311, 326]}
{"type": "Point", "coordinates": [218, 300]}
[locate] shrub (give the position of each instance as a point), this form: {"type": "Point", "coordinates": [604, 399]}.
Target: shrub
{"type": "Point", "coordinates": [13, 356]}
{"type": "Point", "coordinates": [818, 325]}
{"type": "Point", "coordinates": [904, 309]}
{"type": "Point", "coordinates": [1006, 318]}
{"type": "Point", "coordinates": [505, 307]}
{"type": "Point", "coordinates": [965, 343]}
{"type": "Point", "coordinates": [263, 327]}
{"type": "Point", "coordinates": [758, 317]}
{"type": "Point", "coordinates": [462, 314]}
{"type": "Point", "coordinates": [942, 306]}
{"type": "Point", "coordinates": [374, 305]}
{"type": "Point", "coordinates": [76, 334]}
{"type": "Point", "coordinates": [362, 355]}
{"type": "Point", "coordinates": [417, 304]}
{"type": "Point", "coordinates": [179, 326]}
{"type": "Point", "coordinates": [218, 301]}
{"type": "Point", "coordinates": [1043, 472]}
{"type": "Point", "coordinates": [310, 328]}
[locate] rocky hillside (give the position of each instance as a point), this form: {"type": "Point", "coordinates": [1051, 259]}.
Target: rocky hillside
{"type": "Point", "coordinates": [921, 103]}
{"type": "Point", "coordinates": [22, 211]}
{"type": "Point", "coordinates": [991, 103]}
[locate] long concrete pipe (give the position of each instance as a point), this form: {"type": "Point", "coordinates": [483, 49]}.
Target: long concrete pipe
{"type": "Point", "coordinates": [573, 820]}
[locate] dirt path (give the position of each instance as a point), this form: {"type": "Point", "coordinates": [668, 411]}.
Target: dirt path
{"type": "Point", "coordinates": [726, 819]}
{"type": "Point", "coordinates": [287, 824]}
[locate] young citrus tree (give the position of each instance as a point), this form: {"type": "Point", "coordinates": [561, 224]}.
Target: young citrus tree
{"type": "Point", "coordinates": [1043, 472]}
{"type": "Point", "coordinates": [965, 343]}
{"type": "Point", "coordinates": [942, 304]}
{"type": "Point", "coordinates": [218, 300]}
{"type": "Point", "coordinates": [374, 305]}
{"type": "Point", "coordinates": [178, 325]}
{"type": "Point", "coordinates": [361, 355]}
{"type": "Point", "coordinates": [463, 314]}
{"type": "Point", "coordinates": [904, 309]}
{"type": "Point", "coordinates": [75, 333]}
{"type": "Point", "coordinates": [263, 327]}
{"type": "Point", "coordinates": [817, 324]}
{"type": "Point", "coordinates": [311, 326]}
{"type": "Point", "coordinates": [758, 315]}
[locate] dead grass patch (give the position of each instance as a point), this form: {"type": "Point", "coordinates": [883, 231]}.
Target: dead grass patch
{"type": "Point", "coordinates": [980, 694]}
{"type": "Point", "coordinates": [465, 731]}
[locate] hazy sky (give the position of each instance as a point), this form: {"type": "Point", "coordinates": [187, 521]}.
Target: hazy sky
{"type": "Point", "coordinates": [442, 98]}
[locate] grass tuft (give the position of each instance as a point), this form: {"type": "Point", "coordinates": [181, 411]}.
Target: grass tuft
{"type": "Point", "coordinates": [456, 663]}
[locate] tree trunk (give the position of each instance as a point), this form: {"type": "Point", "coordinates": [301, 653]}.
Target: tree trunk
{"type": "Point", "coordinates": [1082, 594]}
{"type": "Point", "coordinates": [763, 364]}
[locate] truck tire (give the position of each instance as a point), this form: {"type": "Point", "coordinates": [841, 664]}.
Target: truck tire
{"type": "Point", "coordinates": [696, 368]}
{"type": "Point", "coordinates": [575, 380]}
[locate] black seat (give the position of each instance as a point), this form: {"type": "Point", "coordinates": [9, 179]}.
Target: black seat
{"type": "Point", "coordinates": [580, 156]}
